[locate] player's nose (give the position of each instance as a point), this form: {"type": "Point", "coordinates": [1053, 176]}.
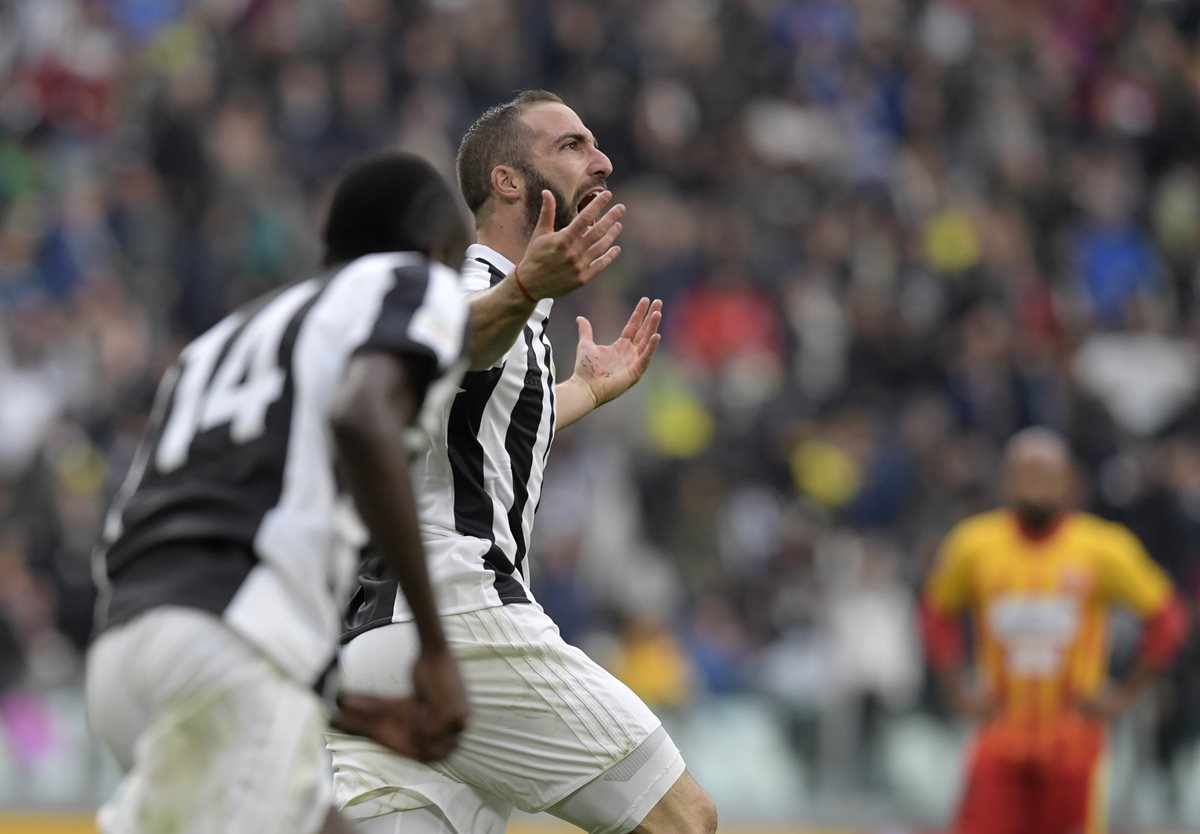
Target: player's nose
{"type": "Point", "coordinates": [601, 165]}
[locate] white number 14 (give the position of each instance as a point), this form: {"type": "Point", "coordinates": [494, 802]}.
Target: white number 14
{"type": "Point", "coordinates": [241, 390]}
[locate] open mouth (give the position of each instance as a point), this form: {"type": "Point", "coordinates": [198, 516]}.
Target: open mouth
{"type": "Point", "coordinates": [587, 198]}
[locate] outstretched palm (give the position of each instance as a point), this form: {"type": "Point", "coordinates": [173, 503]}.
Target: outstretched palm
{"type": "Point", "coordinates": [608, 371]}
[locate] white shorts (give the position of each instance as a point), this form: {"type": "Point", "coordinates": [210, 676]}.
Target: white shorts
{"type": "Point", "coordinates": [213, 736]}
{"type": "Point", "coordinates": [550, 731]}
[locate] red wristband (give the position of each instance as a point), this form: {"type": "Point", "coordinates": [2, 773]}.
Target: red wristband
{"type": "Point", "coordinates": [521, 287]}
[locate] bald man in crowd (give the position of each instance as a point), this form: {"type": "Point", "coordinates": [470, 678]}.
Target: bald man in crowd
{"type": "Point", "coordinates": [1037, 579]}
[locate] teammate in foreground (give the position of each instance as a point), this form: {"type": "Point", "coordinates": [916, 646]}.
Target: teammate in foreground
{"type": "Point", "coordinates": [1038, 581]}
{"type": "Point", "coordinates": [222, 580]}
{"type": "Point", "coordinates": [551, 730]}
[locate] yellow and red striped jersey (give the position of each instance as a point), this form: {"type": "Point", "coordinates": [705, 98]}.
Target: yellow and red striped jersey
{"type": "Point", "coordinates": [1039, 606]}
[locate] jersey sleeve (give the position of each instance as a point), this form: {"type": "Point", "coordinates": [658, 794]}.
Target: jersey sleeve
{"type": "Point", "coordinates": [1128, 576]}
{"type": "Point", "coordinates": [423, 316]}
{"type": "Point", "coordinates": [948, 588]}
{"type": "Point", "coordinates": [476, 277]}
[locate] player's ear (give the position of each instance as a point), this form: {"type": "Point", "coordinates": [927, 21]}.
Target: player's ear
{"type": "Point", "coordinates": [507, 184]}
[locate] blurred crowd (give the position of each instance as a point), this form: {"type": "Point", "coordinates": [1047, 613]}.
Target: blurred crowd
{"type": "Point", "coordinates": [888, 234]}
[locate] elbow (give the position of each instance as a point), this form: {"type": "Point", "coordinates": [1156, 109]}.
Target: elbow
{"type": "Point", "coordinates": [942, 637]}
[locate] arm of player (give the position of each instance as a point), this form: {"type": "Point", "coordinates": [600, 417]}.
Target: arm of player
{"type": "Point", "coordinates": [555, 264]}
{"type": "Point", "coordinates": [605, 372]}
{"type": "Point", "coordinates": [1130, 577]}
{"type": "Point", "coordinates": [1162, 636]}
{"type": "Point", "coordinates": [377, 401]}
{"type": "Point", "coordinates": [947, 595]}
{"type": "Point", "coordinates": [942, 634]}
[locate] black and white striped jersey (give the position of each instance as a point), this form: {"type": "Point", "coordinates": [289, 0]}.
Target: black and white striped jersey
{"type": "Point", "coordinates": [480, 482]}
{"type": "Point", "coordinates": [232, 505]}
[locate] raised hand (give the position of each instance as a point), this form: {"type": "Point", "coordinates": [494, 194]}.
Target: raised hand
{"type": "Point", "coordinates": [608, 371]}
{"type": "Point", "coordinates": [557, 263]}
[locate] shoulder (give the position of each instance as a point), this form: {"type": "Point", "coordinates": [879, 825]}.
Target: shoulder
{"type": "Point", "coordinates": [483, 267]}
{"type": "Point", "coordinates": [1102, 533]}
{"type": "Point", "coordinates": [476, 275]}
{"type": "Point", "coordinates": [979, 528]}
{"type": "Point", "coordinates": [384, 264]}
{"type": "Point", "coordinates": [388, 286]}
{"type": "Point", "coordinates": [352, 286]}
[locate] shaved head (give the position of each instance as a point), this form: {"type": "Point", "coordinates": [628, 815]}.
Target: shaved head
{"type": "Point", "coordinates": [1038, 444]}
{"type": "Point", "coordinates": [1038, 477]}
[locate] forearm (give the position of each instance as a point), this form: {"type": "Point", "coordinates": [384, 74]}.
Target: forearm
{"type": "Point", "coordinates": [497, 316]}
{"type": "Point", "coordinates": [1162, 636]}
{"type": "Point", "coordinates": [572, 400]}
{"type": "Point", "coordinates": [941, 634]}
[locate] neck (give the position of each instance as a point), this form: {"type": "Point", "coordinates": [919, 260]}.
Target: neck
{"type": "Point", "coordinates": [1038, 534]}
{"type": "Point", "coordinates": [505, 233]}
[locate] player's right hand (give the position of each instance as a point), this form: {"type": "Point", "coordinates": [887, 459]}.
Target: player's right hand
{"type": "Point", "coordinates": [557, 263]}
{"type": "Point", "coordinates": [441, 710]}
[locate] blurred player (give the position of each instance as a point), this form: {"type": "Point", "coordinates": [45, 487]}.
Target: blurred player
{"type": "Point", "coordinates": [551, 730]}
{"type": "Point", "coordinates": [222, 583]}
{"type": "Point", "coordinates": [1038, 581]}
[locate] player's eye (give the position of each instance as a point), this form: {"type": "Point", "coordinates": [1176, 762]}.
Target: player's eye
{"type": "Point", "coordinates": [572, 145]}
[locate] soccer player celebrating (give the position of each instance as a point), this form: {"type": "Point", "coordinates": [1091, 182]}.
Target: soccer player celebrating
{"type": "Point", "coordinates": [551, 730]}
{"type": "Point", "coordinates": [222, 581]}
{"type": "Point", "coordinates": [1037, 581]}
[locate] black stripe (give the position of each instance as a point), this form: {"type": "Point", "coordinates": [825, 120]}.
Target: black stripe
{"type": "Point", "coordinates": [374, 600]}
{"type": "Point", "coordinates": [523, 429]}
{"type": "Point", "coordinates": [553, 408]}
{"type": "Point", "coordinates": [473, 514]}
{"type": "Point", "coordinates": [399, 304]}
{"type": "Point", "coordinates": [550, 383]}
{"type": "Point", "coordinates": [493, 270]}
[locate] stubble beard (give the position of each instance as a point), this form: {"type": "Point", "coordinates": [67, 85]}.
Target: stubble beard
{"type": "Point", "coordinates": [535, 183]}
{"type": "Point", "coordinates": [564, 210]}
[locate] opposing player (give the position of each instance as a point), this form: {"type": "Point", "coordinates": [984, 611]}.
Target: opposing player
{"type": "Point", "coordinates": [1038, 581]}
{"type": "Point", "coordinates": [222, 581]}
{"type": "Point", "coordinates": [551, 730]}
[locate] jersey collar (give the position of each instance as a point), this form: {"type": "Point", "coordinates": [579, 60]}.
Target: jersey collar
{"type": "Point", "coordinates": [1039, 536]}
{"type": "Point", "coordinates": [496, 263]}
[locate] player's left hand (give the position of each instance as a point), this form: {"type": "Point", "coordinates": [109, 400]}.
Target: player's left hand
{"type": "Point", "coordinates": [608, 371]}
{"type": "Point", "coordinates": [386, 721]}
{"type": "Point", "coordinates": [1104, 707]}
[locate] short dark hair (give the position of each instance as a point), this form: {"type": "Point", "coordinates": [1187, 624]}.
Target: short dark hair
{"type": "Point", "coordinates": [497, 138]}
{"type": "Point", "coordinates": [391, 202]}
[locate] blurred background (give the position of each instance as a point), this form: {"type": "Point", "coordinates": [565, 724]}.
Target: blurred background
{"type": "Point", "coordinates": [888, 234]}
